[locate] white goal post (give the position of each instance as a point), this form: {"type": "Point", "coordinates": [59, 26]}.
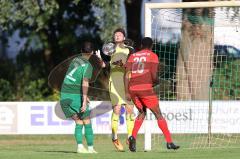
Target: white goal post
{"type": "Point", "coordinates": [149, 6]}
{"type": "Point", "coordinates": [148, 33]}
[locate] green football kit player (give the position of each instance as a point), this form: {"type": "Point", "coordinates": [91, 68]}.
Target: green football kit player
{"type": "Point", "coordinates": [74, 100]}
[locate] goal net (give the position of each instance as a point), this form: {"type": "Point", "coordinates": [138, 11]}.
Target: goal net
{"type": "Point", "coordinates": [198, 44]}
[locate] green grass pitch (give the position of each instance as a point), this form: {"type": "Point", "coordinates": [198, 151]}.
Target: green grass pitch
{"type": "Point", "coordinates": [63, 147]}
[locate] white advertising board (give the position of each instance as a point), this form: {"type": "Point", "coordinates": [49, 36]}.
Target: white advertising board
{"type": "Point", "coordinates": [182, 117]}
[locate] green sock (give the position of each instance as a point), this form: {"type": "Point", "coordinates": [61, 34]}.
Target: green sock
{"type": "Point", "coordinates": [78, 133]}
{"type": "Point", "coordinates": [89, 134]}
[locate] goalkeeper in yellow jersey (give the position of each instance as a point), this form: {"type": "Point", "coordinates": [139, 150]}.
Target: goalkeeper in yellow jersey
{"type": "Point", "coordinates": [116, 87]}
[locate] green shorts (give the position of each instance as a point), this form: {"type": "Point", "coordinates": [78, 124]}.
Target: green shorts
{"type": "Point", "coordinates": [71, 105]}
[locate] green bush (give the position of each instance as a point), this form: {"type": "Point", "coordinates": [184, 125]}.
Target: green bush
{"type": "Point", "coordinates": [226, 81]}
{"type": "Point", "coordinates": [6, 92]}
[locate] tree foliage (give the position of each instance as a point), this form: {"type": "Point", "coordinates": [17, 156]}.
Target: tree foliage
{"type": "Point", "coordinates": [53, 30]}
{"type": "Point", "coordinates": [6, 92]}
{"type": "Point", "coordinates": [108, 17]}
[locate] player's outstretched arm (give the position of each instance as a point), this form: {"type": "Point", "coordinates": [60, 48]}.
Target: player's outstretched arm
{"type": "Point", "coordinates": [98, 54]}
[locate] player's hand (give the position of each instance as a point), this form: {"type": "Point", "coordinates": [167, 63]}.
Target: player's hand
{"type": "Point", "coordinates": [98, 54]}
{"type": "Point", "coordinates": [118, 63]}
{"type": "Point", "coordinates": [88, 100]}
{"type": "Point", "coordinates": [121, 63]}
{"type": "Point", "coordinates": [84, 106]}
{"type": "Point", "coordinates": [128, 97]}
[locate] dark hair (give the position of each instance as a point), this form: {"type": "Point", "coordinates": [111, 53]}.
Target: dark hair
{"type": "Point", "coordinates": [147, 43]}
{"type": "Point", "coordinates": [87, 47]}
{"type": "Point", "coordinates": [120, 30]}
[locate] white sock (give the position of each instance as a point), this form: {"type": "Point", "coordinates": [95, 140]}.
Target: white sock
{"type": "Point", "coordinates": [80, 145]}
{"type": "Point", "coordinates": [114, 136]}
{"type": "Point", "coordinates": [90, 147]}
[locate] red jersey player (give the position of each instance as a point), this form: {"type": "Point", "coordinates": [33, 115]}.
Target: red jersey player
{"type": "Point", "coordinates": [140, 75]}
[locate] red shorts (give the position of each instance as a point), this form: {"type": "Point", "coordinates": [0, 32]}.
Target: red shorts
{"type": "Point", "coordinates": [146, 99]}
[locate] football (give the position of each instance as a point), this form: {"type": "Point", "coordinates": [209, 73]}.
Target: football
{"type": "Point", "coordinates": [109, 49]}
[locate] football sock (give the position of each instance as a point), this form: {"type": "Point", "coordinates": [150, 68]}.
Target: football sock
{"type": "Point", "coordinates": [80, 146]}
{"type": "Point", "coordinates": [130, 123]}
{"type": "Point", "coordinates": [90, 148]}
{"type": "Point", "coordinates": [89, 134]}
{"type": "Point", "coordinates": [115, 119]}
{"type": "Point", "coordinates": [137, 125]}
{"type": "Point", "coordinates": [162, 124]}
{"type": "Point", "coordinates": [78, 133]}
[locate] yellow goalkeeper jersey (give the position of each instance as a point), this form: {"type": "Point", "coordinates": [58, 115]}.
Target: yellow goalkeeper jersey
{"type": "Point", "coordinates": [116, 80]}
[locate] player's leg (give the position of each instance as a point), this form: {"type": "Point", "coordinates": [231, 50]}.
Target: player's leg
{"type": "Point", "coordinates": [115, 120]}
{"type": "Point", "coordinates": [89, 134]}
{"type": "Point", "coordinates": [114, 124]}
{"type": "Point", "coordinates": [115, 100]}
{"type": "Point", "coordinates": [129, 119]}
{"type": "Point", "coordinates": [162, 124]}
{"type": "Point", "coordinates": [78, 134]}
{"type": "Point", "coordinates": [88, 131]}
{"type": "Point", "coordinates": [153, 105]}
{"type": "Point", "coordinates": [70, 112]}
{"type": "Point", "coordinates": [138, 122]}
{"type": "Point", "coordinates": [137, 125]}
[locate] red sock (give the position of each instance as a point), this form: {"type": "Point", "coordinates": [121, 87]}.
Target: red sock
{"type": "Point", "coordinates": [162, 124]}
{"type": "Point", "coordinates": [137, 125]}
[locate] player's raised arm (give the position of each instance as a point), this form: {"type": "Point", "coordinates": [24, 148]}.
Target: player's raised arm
{"type": "Point", "coordinates": [98, 54]}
